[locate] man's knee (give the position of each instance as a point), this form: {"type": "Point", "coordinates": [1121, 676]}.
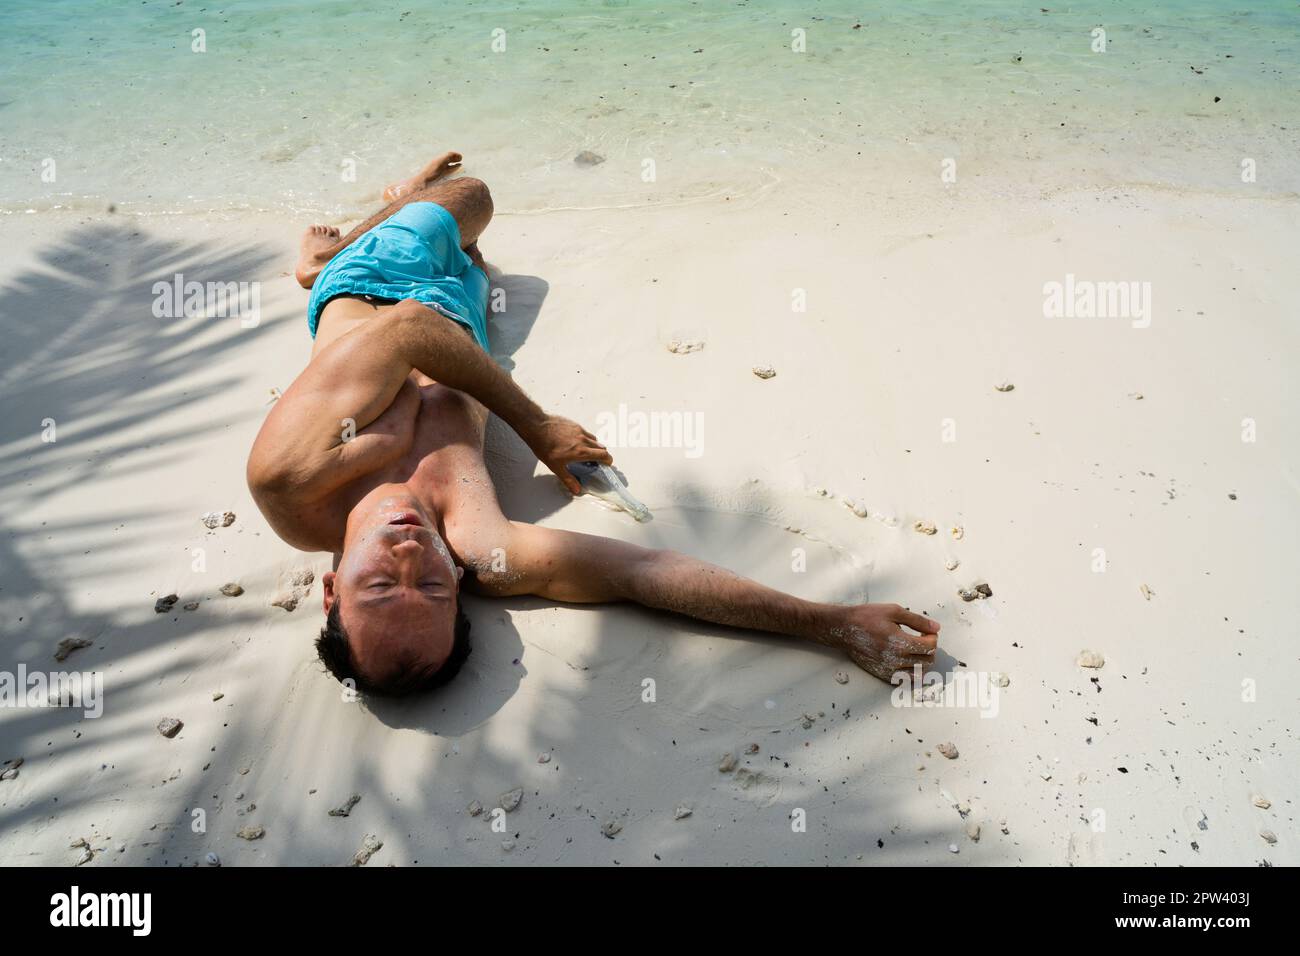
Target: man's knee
{"type": "Point", "coordinates": [471, 203]}
{"type": "Point", "coordinates": [475, 191]}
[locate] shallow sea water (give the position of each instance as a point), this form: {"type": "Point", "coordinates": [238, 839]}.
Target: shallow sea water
{"type": "Point", "coordinates": [312, 106]}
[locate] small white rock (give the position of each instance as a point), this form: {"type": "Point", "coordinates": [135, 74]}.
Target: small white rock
{"type": "Point", "coordinates": [1092, 659]}
{"type": "Point", "coordinates": [685, 346]}
{"type": "Point", "coordinates": [682, 812]}
{"type": "Point", "coordinates": [1261, 801]}
{"type": "Point", "coordinates": [345, 808]}
{"type": "Point", "coordinates": [70, 644]}
{"type": "Point", "coordinates": [302, 578]}
{"type": "Point", "coordinates": [218, 519]}
{"type": "Point", "coordinates": [764, 371]}
{"type": "Point", "coordinates": [370, 845]}
{"type": "Point", "coordinates": [925, 527]}
{"type": "Point", "coordinates": [212, 859]}
{"type": "Point", "coordinates": [953, 848]}
{"type": "Point", "coordinates": [294, 587]}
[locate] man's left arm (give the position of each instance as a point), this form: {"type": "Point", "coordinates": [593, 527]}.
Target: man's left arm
{"type": "Point", "coordinates": [581, 568]}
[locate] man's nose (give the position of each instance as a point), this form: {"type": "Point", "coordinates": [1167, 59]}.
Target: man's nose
{"type": "Point", "coordinates": [408, 549]}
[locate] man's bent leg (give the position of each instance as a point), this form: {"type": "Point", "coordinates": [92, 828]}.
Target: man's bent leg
{"type": "Point", "coordinates": [466, 198]}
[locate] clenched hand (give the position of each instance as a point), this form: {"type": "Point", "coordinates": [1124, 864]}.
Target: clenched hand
{"type": "Point", "coordinates": [558, 441]}
{"type": "Point", "coordinates": [873, 637]}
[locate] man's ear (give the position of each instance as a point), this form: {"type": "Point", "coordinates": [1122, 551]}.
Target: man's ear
{"type": "Point", "coordinates": [460, 573]}
{"type": "Point", "coordinates": [327, 589]}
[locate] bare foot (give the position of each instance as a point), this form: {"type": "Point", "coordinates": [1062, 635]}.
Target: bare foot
{"type": "Point", "coordinates": [441, 166]}
{"type": "Point", "coordinates": [317, 241]}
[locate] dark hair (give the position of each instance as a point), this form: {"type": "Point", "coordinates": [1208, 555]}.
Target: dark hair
{"type": "Point", "coordinates": [336, 654]}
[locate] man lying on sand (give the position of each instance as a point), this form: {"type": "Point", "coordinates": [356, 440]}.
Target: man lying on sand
{"type": "Point", "coordinates": [375, 453]}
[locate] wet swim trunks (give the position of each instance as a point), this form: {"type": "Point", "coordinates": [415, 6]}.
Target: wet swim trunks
{"type": "Point", "coordinates": [413, 254]}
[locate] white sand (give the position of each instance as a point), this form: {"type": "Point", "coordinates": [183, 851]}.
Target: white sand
{"type": "Point", "coordinates": [913, 318]}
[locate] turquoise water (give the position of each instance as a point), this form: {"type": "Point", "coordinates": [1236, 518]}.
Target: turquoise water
{"type": "Point", "coordinates": [290, 95]}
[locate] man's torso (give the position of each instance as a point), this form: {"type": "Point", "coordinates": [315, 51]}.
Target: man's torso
{"type": "Point", "coordinates": [435, 447]}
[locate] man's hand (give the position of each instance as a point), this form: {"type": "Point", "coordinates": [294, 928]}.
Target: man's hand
{"type": "Point", "coordinates": [872, 637]}
{"type": "Point", "coordinates": [558, 441]}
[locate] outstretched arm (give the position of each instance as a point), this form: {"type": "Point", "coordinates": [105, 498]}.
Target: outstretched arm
{"type": "Point", "coordinates": [582, 568]}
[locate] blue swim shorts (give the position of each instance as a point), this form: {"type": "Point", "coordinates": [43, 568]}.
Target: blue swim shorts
{"type": "Point", "coordinates": [413, 254]}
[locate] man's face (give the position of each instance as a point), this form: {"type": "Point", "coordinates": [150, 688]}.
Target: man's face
{"type": "Point", "coordinates": [398, 585]}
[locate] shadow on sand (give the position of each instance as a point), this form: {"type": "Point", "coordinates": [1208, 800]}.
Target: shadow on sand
{"type": "Point", "coordinates": [80, 345]}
